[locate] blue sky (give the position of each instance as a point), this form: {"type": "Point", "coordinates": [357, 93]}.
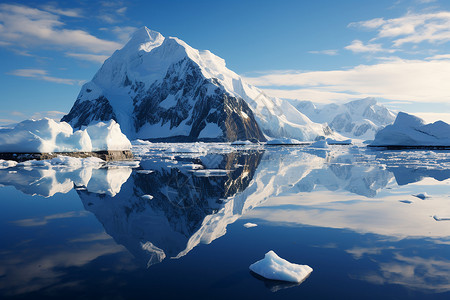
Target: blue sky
{"type": "Point", "coordinates": [324, 51]}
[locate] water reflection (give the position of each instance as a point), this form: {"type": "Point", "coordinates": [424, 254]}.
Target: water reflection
{"type": "Point", "coordinates": [172, 203]}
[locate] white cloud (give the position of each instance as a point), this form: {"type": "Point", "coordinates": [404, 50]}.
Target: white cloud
{"type": "Point", "coordinates": [43, 75]}
{"type": "Point", "coordinates": [358, 46]}
{"type": "Point", "coordinates": [403, 80]}
{"type": "Point", "coordinates": [29, 27]}
{"type": "Point", "coordinates": [326, 52]}
{"type": "Point", "coordinates": [411, 28]}
{"type": "Point", "coordinates": [75, 13]}
{"type": "Point", "coordinates": [97, 58]}
{"type": "Point", "coordinates": [439, 56]}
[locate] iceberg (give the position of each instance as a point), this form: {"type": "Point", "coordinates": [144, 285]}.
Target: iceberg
{"type": "Point", "coordinates": [274, 267]}
{"type": "Point", "coordinates": [48, 136]}
{"type": "Point", "coordinates": [411, 131]}
{"type": "Point", "coordinates": [108, 136]}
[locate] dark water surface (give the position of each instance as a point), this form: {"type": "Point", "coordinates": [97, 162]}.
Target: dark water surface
{"type": "Point", "coordinates": [172, 226]}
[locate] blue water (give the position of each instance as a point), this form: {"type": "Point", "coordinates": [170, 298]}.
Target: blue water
{"type": "Point", "coordinates": [338, 211]}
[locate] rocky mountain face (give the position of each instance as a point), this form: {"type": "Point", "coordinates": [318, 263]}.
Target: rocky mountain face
{"type": "Point", "coordinates": [360, 119]}
{"type": "Point", "coordinates": [160, 88]}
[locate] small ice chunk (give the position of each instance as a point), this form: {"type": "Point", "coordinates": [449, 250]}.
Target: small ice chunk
{"type": "Point", "coordinates": [5, 164]}
{"type": "Point", "coordinates": [275, 268]}
{"type": "Point", "coordinates": [145, 171]}
{"type": "Point", "coordinates": [241, 143]}
{"type": "Point", "coordinates": [338, 142]}
{"type": "Point", "coordinates": [422, 196]}
{"type": "Point", "coordinates": [320, 144]}
{"type": "Point", "coordinates": [284, 141]}
{"type": "Point", "coordinates": [437, 218]}
{"type": "Point", "coordinates": [148, 197]}
{"type": "Point", "coordinates": [250, 225]}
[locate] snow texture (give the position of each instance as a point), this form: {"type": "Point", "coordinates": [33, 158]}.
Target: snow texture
{"type": "Point", "coordinates": [409, 130]}
{"type": "Point", "coordinates": [275, 268]}
{"type": "Point", "coordinates": [47, 136]}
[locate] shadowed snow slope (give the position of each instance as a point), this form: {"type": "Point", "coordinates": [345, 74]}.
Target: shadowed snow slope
{"type": "Point", "coordinates": [159, 87]}
{"type": "Point", "coordinates": [409, 130]}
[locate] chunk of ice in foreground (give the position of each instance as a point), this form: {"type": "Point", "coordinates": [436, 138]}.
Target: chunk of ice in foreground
{"type": "Point", "coordinates": [250, 225]}
{"type": "Point", "coordinates": [274, 267]}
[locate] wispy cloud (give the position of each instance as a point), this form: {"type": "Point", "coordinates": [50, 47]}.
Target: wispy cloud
{"type": "Point", "coordinates": [403, 80]}
{"type": "Point", "coordinates": [358, 46]}
{"type": "Point", "coordinates": [326, 52]}
{"type": "Point", "coordinates": [75, 12]}
{"type": "Point", "coordinates": [43, 75]}
{"type": "Point", "coordinates": [44, 220]}
{"type": "Point", "coordinates": [411, 28]}
{"type": "Point", "coordinates": [97, 58]}
{"type": "Point", "coordinates": [29, 27]}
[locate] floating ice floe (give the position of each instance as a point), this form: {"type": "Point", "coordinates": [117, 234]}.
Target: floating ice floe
{"type": "Point", "coordinates": [422, 196]}
{"type": "Point", "coordinates": [284, 141]}
{"type": "Point", "coordinates": [47, 136]}
{"type": "Point", "coordinates": [322, 144]}
{"type": "Point", "coordinates": [241, 143]}
{"type": "Point", "coordinates": [67, 161]}
{"type": "Point", "coordinates": [275, 268]}
{"type": "Point", "coordinates": [250, 225]}
{"type": "Point", "coordinates": [331, 141]}
{"type": "Point", "coordinates": [5, 164]}
{"type": "Point", "coordinates": [147, 197]}
{"type": "Point", "coordinates": [409, 130]}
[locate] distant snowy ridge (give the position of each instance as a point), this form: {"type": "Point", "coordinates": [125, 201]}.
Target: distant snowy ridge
{"type": "Point", "coordinates": [409, 130]}
{"type": "Point", "coordinates": [159, 87]}
{"type": "Point", "coordinates": [360, 119]}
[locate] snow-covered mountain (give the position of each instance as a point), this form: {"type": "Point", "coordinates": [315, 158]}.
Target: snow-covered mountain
{"type": "Point", "coordinates": [359, 119]}
{"type": "Point", "coordinates": [159, 87]}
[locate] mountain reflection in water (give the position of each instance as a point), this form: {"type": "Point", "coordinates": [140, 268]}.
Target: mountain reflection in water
{"type": "Point", "coordinates": [169, 203]}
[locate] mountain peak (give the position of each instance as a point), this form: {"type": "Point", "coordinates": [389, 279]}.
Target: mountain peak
{"type": "Point", "coordinates": [145, 39]}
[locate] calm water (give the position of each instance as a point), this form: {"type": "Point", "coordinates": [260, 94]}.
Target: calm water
{"type": "Point", "coordinates": [172, 226]}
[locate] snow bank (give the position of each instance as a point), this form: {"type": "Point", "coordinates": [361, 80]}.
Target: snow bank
{"type": "Point", "coordinates": [47, 135]}
{"type": "Point", "coordinates": [283, 141]}
{"type": "Point", "coordinates": [409, 130]}
{"type": "Point", "coordinates": [275, 268]}
{"type": "Point", "coordinates": [107, 136]}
